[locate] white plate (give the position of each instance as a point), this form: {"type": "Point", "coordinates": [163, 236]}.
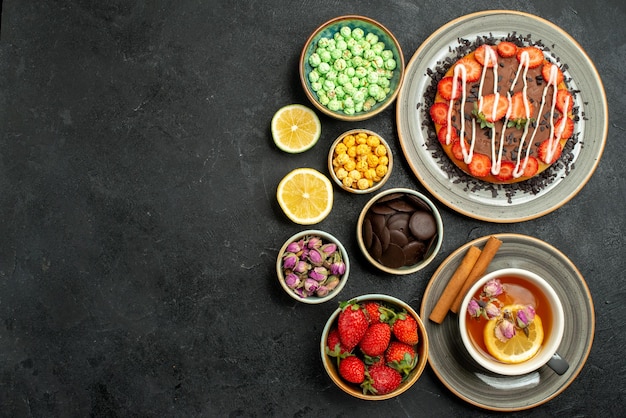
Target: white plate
{"type": "Point", "coordinates": [470, 382]}
{"type": "Point", "coordinates": [510, 204]}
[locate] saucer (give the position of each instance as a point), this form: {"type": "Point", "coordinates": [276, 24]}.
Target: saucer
{"type": "Point", "coordinates": [470, 382]}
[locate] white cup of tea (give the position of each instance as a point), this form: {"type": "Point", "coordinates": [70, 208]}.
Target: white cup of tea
{"type": "Point", "coordinates": [520, 289]}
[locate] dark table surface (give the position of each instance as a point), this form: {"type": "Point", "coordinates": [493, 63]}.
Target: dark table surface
{"type": "Point", "coordinates": [139, 226]}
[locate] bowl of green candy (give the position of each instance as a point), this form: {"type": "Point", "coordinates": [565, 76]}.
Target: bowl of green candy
{"type": "Point", "coordinates": [351, 68]}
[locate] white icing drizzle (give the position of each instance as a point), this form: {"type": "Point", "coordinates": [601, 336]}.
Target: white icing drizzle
{"type": "Point", "coordinates": [555, 136]}
{"type": "Point", "coordinates": [524, 146]}
{"type": "Point", "coordinates": [463, 72]}
{"type": "Point", "coordinates": [520, 165]}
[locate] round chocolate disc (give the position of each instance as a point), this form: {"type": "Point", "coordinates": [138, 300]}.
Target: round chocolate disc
{"type": "Point", "coordinates": [399, 221]}
{"type": "Point", "coordinates": [414, 252]}
{"type": "Point", "coordinates": [393, 257]}
{"type": "Point", "coordinates": [384, 238]}
{"type": "Point", "coordinates": [382, 209]}
{"type": "Point", "coordinates": [378, 223]}
{"type": "Point", "coordinates": [398, 237]}
{"type": "Point", "coordinates": [376, 250]}
{"type": "Point", "coordinates": [367, 233]}
{"type": "Point", "coordinates": [423, 225]}
{"type": "Point", "coordinates": [401, 205]}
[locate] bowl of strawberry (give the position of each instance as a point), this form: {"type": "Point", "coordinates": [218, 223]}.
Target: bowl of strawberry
{"type": "Point", "coordinates": [374, 347]}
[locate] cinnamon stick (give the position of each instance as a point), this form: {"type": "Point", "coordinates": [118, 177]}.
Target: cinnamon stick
{"type": "Point", "coordinates": [489, 251]}
{"type": "Point", "coordinates": [457, 280]}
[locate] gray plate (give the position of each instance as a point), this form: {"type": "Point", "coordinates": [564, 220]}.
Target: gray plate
{"type": "Point", "coordinates": [449, 359]}
{"type": "Point", "coordinates": [592, 131]}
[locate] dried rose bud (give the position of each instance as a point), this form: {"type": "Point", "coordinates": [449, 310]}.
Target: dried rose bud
{"type": "Point", "coordinates": [474, 309]}
{"type": "Point", "coordinates": [319, 274]}
{"type": "Point", "coordinates": [492, 288]}
{"type": "Point", "coordinates": [338, 268]}
{"type": "Point", "coordinates": [332, 282]}
{"type": "Point", "coordinates": [492, 310]}
{"type": "Point", "coordinates": [289, 260]}
{"type": "Point", "coordinates": [294, 247]}
{"type": "Point", "coordinates": [292, 280]}
{"type": "Point", "coordinates": [525, 316]}
{"type": "Point", "coordinates": [315, 257]}
{"type": "Point", "coordinates": [505, 330]}
{"type": "Point", "coordinates": [314, 242]}
{"type": "Point", "coordinates": [322, 291]}
{"type": "Point", "coordinates": [311, 285]}
{"type": "Point", "coordinates": [329, 249]}
{"type": "Point", "coordinates": [302, 267]}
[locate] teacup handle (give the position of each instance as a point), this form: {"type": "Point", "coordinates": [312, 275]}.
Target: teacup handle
{"type": "Point", "coordinates": [558, 364]}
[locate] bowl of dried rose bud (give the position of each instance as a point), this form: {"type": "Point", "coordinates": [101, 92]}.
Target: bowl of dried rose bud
{"type": "Point", "coordinates": [312, 266]}
{"type": "Point", "coordinates": [374, 347]}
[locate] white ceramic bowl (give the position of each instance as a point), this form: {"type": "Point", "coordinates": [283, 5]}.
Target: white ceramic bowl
{"type": "Point", "coordinates": [326, 239]}
{"type": "Point", "coordinates": [431, 250]}
{"type": "Point", "coordinates": [328, 30]}
{"type": "Point", "coordinates": [552, 339]}
{"type": "Point", "coordinates": [330, 364]}
{"type": "Point", "coordinates": [333, 173]}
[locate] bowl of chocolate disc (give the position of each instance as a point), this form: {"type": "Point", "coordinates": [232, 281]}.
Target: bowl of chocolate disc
{"type": "Point", "coordinates": [399, 231]}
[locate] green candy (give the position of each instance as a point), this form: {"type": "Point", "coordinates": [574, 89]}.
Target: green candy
{"type": "Point", "coordinates": [314, 60]}
{"type": "Point", "coordinates": [351, 70]}
{"type": "Point", "coordinates": [334, 105]}
{"type": "Point", "coordinates": [314, 76]}
{"type": "Point", "coordinates": [358, 33]}
{"type": "Point", "coordinates": [323, 68]}
{"type": "Point", "coordinates": [340, 64]}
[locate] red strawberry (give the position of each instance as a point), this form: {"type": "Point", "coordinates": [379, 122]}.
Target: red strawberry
{"type": "Point", "coordinates": [518, 110]}
{"type": "Point", "coordinates": [542, 152]}
{"type": "Point", "coordinates": [473, 69]}
{"type": "Point", "coordinates": [443, 132]}
{"type": "Point", "coordinates": [457, 151]}
{"type": "Point", "coordinates": [404, 329]}
{"type": "Point", "coordinates": [563, 96]}
{"type": "Point", "coordinates": [445, 87]}
{"type": "Point", "coordinates": [352, 369]}
{"type": "Point", "coordinates": [381, 379]}
{"type": "Point", "coordinates": [506, 171]}
{"type": "Point", "coordinates": [333, 344]}
{"type": "Point", "coordinates": [489, 103]}
{"type": "Point", "coordinates": [535, 56]}
{"type": "Point", "coordinates": [439, 113]}
{"type": "Point", "coordinates": [352, 324]}
{"type": "Point", "coordinates": [376, 312]}
{"type": "Point", "coordinates": [481, 55]}
{"type": "Point", "coordinates": [401, 357]}
{"type": "Point", "coordinates": [507, 49]}
{"type": "Point", "coordinates": [376, 339]}
{"type": "Point", "coordinates": [372, 312]}
{"type": "Point", "coordinates": [545, 72]}
{"type": "Point", "coordinates": [568, 130]}
{"type": "Point", "coordinates": [532, 166]}
{"type": "Point", "coordinates": [480, 166]}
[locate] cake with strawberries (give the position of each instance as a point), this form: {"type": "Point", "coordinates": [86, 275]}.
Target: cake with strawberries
{"type": "Point", "coordinates": [503, 112]}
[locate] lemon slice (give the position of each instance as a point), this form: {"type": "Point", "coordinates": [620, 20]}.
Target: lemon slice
{"type": "Point", "coordinates": [295, 128]}
{"type": "Point", "coordinates": [305, 195]}
{"type": "Point", "coordinates": [520, 347]}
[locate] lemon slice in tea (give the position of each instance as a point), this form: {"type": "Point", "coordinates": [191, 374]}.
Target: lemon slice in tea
{"type": "Point", "coordinates": [520, 347]}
